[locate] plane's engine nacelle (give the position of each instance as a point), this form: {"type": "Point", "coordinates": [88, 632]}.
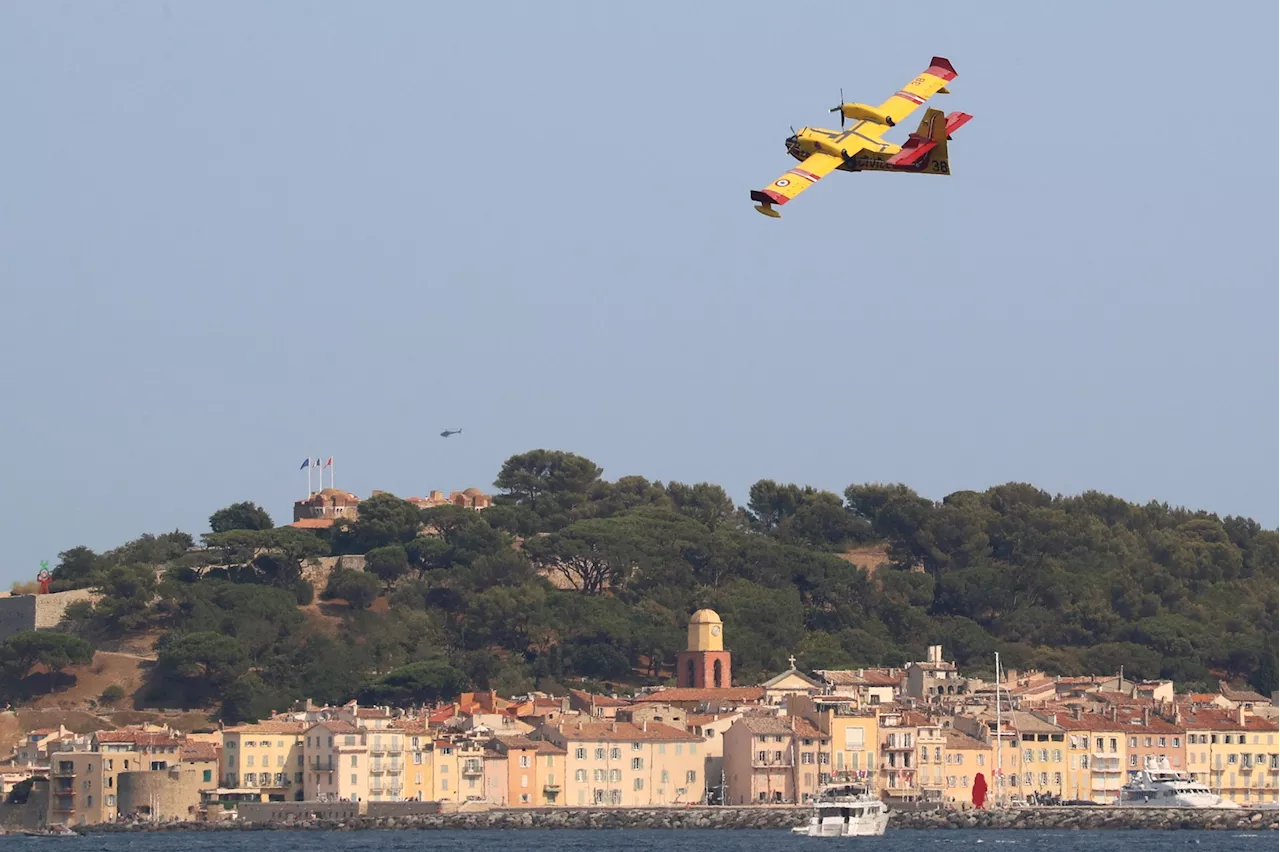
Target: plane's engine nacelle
{"type": "Point", "coordinates": [862, 112]}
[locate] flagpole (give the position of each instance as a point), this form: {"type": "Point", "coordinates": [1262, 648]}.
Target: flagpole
{"type": "Point", "coordinates": [308, 478]}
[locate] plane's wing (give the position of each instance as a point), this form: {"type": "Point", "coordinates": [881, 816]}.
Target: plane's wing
{"type": "Point", "coordinates": [914, 94]}
{"type": "Point", "coordinates": [814, 168]}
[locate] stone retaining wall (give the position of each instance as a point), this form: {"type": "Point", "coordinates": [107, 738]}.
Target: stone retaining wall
{"type": "Point", "coordinates": [761, 818]}
{"type": "Point", "coordinates": [38, 612]}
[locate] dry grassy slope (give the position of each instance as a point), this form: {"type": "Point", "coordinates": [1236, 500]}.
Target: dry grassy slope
{"type": "Point", "coordinates": [129, 671]}
{"type": "Point", "coordinates": [127, 665]}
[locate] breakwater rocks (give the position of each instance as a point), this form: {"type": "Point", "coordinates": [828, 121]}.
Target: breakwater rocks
{"type": "Point", "coordinates": [1158, 819]}
{"type": "Point", "coordinates": [544, 818]}
{"type": "Point", "coordinates": [748, 818]}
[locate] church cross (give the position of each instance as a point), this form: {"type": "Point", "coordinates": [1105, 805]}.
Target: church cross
{"type": "Point", "coordinates": [792, 661]}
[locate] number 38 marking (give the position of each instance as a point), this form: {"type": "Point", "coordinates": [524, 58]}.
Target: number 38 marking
{"type": "Point", "coordinates": [940, 166]}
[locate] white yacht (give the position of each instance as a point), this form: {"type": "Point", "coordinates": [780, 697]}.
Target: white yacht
{"type": "Point", "coordinates": [1160, 786]}
{"type": "Point", "coordinates": [846, 810]}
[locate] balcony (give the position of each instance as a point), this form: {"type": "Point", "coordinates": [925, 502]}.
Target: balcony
{"type": "Point", "coordinates": [321, 766]}
{"type": "Point", "coordinates": [376, 770]}
{"type": "Point", "coordinates": [551, 788]}
{"type": "Point", "coordinates": [395, 769]}
{"type": "Point", "coordinates": [772, 763]}
{"type": "Point", "coordinates": [472, 771]}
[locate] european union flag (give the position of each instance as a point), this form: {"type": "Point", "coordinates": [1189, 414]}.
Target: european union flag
{"type": "Point", "coordinates": [306, 463]}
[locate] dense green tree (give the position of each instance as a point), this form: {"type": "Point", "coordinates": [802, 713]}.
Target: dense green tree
{"type": "Point", "coordinates": [55, 651]}
{"type": "Point", "coordinates": [388, 563]}
{"type": "Point", "coordinates": [384, 519]}
{"type": "Point", "coordinates": [251, 699]}
{"type": "Point", "coordinates": [212, 657]}
{"type": "Point", "coordinates": [708, 504]}
{"type": "Point", "coordinates": [77, 568]}
{"type": "Point", "coordinates": [553, 485]}
{"type": "Point", "coordinates": [1066, 584]}
{"type": "Point", "coordinates": [1264, 678]}
{"type": "Point", "coordinates": [415, 684]}
{"type": "Point", "coordinates": [357, 588]}
{"type": "Point", "coordinates": [240, 516]}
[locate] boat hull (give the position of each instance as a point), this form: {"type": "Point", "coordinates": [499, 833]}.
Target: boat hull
{"type": "Point", "coordinates": [865, 826]}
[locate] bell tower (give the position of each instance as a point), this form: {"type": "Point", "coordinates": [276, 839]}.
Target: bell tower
{"type": "Point", "coordinates": [706, 664]}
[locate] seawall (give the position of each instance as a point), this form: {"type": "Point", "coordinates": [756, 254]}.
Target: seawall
{"type": "Point", "coordinates": [755, 818]}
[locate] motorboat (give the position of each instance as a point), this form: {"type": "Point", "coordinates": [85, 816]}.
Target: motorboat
{"type": "Point", "coordinates": [845, 810]}
{"type": "Point", "coordinates": [1158, 785]}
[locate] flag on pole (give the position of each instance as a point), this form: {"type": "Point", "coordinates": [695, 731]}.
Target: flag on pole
{"type": "Point", "coordinates": [306, 463]}
{"type": "Point", "coordinates": [329, 463]}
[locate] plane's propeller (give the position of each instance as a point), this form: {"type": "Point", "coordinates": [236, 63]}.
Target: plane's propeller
{"type": "Point", "coordinates": [840, 109]}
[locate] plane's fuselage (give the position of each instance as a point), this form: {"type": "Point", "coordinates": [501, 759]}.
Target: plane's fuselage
{"type": "Point", "coordinates": [873, 157]}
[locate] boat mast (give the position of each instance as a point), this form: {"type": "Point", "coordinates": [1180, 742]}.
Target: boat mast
{"type": "Point", "coordinates": [999, 741]}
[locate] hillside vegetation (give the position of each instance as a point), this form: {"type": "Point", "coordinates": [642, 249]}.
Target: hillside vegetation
{"type": "Point", "coordinates": [1067, 584]}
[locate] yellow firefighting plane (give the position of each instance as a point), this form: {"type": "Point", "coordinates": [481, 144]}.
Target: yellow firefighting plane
{"type": "Point", "coordinates": [860, 148]}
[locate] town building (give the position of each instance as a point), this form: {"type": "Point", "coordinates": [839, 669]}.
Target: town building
{"type": "Point", "coordinates": [934, 679]}
{"type": "Point", "coordinates": [627, 764]}
{"type": "Point", "coordinates": [967, 764]}
{"type": "Point", "coordinates": [263, 760]}
{"type": "Point", "coordinates": [867, 686]}
{"type": "Point", "coordinates": [774, 759]}
{"type": "Point", "coordinates": [1232, 752]}
{"type": "Point", "coordinates": [852, 729]}
{"type": "Point", "coordinates": [336, 762]}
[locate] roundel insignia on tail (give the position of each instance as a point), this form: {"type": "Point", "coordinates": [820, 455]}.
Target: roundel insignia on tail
{"type": "Point", "coordinates": [782, 182]}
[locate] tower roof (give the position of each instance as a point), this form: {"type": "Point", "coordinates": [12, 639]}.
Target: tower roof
{"type": "Point", "coordinates": [705, 616]}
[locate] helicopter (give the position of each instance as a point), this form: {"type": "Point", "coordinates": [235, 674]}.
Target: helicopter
{"type": "Point", "coordinates": [447, 432]}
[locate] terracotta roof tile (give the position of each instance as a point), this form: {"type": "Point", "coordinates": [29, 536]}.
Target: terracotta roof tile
{"type": "Point", "coordinates": [313, 523]}
{"type": "Point", "coordinates": [622, 731]}
{"type": "Point", "coordinates": [728, 694]}
{"type": "Point", "coordinates": [1244, 695]}
{"type": "Point", "coordinates": [199, 751]}
{"type": "Point", "coordinates": [960, 740]}
{"type": "Point", "coordinates": [599, 700]}
{"type": "Point", "coordinates": [510, 741]}
{"type": "Point", "coordinates": [1210, 718]}
{"type": "Point", "coordinates": [142, 739]}
{"type": "Point", "coordinates": [268, 727]}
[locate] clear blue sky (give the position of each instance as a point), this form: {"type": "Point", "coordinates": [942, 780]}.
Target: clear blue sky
{"type": "Point", "coordinates": [236, 234]}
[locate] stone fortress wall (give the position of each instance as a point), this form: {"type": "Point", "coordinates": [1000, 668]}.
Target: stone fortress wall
{"type": "Point", "coordinates": [316, 571]}
{"type": "Point", "coordinates": [37, 612]}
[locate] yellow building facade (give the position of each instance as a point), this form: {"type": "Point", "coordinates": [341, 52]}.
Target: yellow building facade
{"type": "Point", "coordinates": [628, 764]}
{"type": "Point", "coordinates": [1234, 753]}
{"type": "Point", "coordinates": [266, 757]}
